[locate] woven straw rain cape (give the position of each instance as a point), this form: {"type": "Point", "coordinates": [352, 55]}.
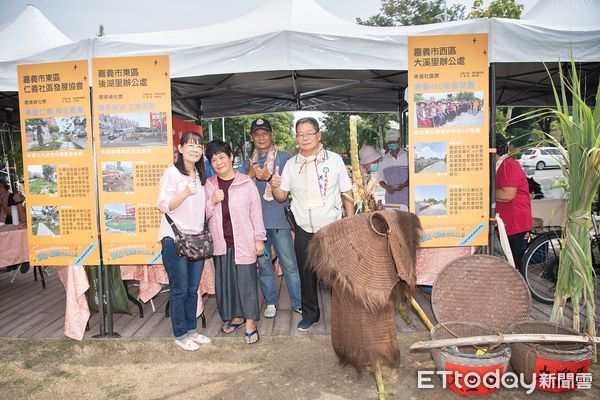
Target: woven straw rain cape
{"type": "Point", "coordinates": [369, 260]}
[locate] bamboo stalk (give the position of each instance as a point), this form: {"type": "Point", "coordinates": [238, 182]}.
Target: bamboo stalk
{"type": "Point", "coordinates": [404, 314]}
{"type": "Point", "coordinates": [509, 338]}
{"type": "Point", "coordinates": [379, 381]}
{"type": "Point", "coordinates": [421, 313]}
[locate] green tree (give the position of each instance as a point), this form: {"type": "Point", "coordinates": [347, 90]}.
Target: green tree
{"type": "Point", "coordinates": [47, 172]}
{"type": "Point", "coordinates": [497, 8]}
{"type": "Point", "coordinates": [100, 30]}
{"type": "Point", "coordinates": [519, 132]}
{"type": "Point", "coordinates": [34, 125]}
{"type": "Point", "coordinates": [417, 12]}
{"type": "Point", "coordinates": [237, 131]}
{"type": "Point", "coordinates": [414, 12]}
{"type": "Point", "coordinates": [371, 127]}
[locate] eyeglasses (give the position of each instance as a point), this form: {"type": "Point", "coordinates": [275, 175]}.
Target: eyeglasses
{"type": "Point", "coordinates": [306, 135]}
{"type": "Point", "coordinates": [195, 146]}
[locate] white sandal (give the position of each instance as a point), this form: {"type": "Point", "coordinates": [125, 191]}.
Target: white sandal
{"type": "Point", "coordinates": [200, 339]}
{"type": "Point", "coordinates": [190, 345]}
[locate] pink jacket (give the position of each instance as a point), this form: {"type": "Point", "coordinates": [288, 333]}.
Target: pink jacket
{"type": "Point", "coordinates": [245, 211]}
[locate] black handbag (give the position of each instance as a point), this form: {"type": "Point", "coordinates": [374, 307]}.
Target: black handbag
{"type": "Point", "coordinates": [289, 215]}
{"type": "Point", "coordinates": [193, 247]}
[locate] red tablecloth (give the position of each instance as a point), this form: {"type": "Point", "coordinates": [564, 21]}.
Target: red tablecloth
{"type": "Point", "coordinates": [13, 245]}
{"type": "Point", "coordinates": [430, 261]}
{"type": "Point", "coordinates": [77, 312]}
{"type": "Point", "coordinates": [152, 278]}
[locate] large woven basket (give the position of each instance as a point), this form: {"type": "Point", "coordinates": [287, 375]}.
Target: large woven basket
{"type": "Point", "coordinates": [464, 359]}
{"type": "Point", "coordinates": [483, 290]}
{"type": "Point", "coordinates": [529, 358]}
{"type": "Point", "coordinates": [362, 338]}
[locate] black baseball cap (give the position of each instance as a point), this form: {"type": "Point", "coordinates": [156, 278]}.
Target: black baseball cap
{"type": "Point", "coordinates": [260, 124]}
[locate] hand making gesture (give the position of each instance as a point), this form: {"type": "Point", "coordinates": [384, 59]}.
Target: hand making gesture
{"type": "Point", "coordinates": [275, 181]}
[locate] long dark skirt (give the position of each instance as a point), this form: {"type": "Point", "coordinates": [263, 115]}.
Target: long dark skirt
{"type": "Point", "coordinates": [235, 288]}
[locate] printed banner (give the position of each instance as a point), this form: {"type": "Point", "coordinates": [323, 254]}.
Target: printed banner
{"type": "Point", "coordinates": [54, 101]}
{"type": "Point", "coordinates": [449, 138]}
{"type": "Point", "coordinates": [132, 108]}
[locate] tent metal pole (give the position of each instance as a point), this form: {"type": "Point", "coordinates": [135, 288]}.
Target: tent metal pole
{"type": "Point", "coordinates": [101, 292]}
{"type": "Point", "coordinates": [199, 109]}
{"type": "Point", "coordinates": [10, 157]}
{"type": "Point", "coordinates": [223, 126]}
{"type": "Point", "coordinates": [492, 158]}
{"type": "Point", "coordinates": [401, 118]}
{"type": "Point", "coordinates": [296, 94]}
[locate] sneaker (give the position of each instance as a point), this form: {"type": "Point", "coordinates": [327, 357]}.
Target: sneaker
{"type": "Point", "coordinates": [298, 310]}
{"type": "Point", "coordinates": [271, 311]}
{"type": "Point", "coordinates": [201, 339]}
{"type": "Point", "coordinates": [190, 345]}
{"type": "Point", "coordinates": [304, 325]}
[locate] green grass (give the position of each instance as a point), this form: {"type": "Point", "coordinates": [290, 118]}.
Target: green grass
{"type": "Point", "coordinates": [125, 226]}
{"type": "Point", "coordinates": [36, 186]}
{"type": "Point", "coordinates": [45, 147]}
{"type": "Point", "coordinates": [120, 392]}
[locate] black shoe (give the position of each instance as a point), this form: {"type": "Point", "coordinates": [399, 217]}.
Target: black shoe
{"type": "Point", "coordinates": [24, 267]}
{"type": "Point", "coordinates": [304, 325]}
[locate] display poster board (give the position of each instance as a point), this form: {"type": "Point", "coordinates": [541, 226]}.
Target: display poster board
{"type": "Point", "coordinates": [54, 101]}
{"type": "Point", "coordinates": [133, 137]}
{"type": "Point", "coordinates": [449, 138]}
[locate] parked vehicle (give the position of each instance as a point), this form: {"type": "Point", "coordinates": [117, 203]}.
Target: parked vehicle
{"type": "Point", "coordinates": [114, 134]}
{"type": "Point", "coordinates": [540, 262]}
{"type": "Point", "coordinates": [542, 157]}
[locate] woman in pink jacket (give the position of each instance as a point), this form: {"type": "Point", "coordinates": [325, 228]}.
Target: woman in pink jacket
{"type": "Point", "coordinates": [181, 197]}
{"type": "Point", "coordinates": [234, 211]}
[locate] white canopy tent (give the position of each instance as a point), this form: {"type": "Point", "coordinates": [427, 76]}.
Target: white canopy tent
{"type": "Point", "coordinates": [28, 33]}
{"type": "Point", "coordinates": [306, 58]}
{"type": "Point", "coordinates": [27, 39]}
{"type": "Point", "coordinates": [294, 55]}
{"type": "Point", "coordinates": [576, 13]}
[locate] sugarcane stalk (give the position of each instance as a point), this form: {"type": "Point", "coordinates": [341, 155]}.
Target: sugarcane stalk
{"type": "Point", "coordinates": [356, 174]}
{"type": "Point", "coordinates": [379, 381]}
{"type": "Point", "coordinates": [580, 145]}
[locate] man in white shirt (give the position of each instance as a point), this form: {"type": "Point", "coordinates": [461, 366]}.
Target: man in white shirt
{"type": "Point", "coordinates": [392, 173]}
{"type": "Point", "coordinates": [316, 179]}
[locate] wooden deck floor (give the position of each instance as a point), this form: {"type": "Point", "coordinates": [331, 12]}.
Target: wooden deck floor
{"type": "Point", "coordinates": [28, 311]}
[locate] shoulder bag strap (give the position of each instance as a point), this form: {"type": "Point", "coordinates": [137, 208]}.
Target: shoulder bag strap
{"type": "Point", "coordinates": [172, 223]}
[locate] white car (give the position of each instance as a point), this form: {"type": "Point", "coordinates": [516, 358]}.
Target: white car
{"type": "Point", "coordinates": [542, 157]}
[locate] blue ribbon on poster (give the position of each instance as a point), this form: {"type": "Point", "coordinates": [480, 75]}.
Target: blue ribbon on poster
{"type": "Point", "coordinates": [85, 254]}
{"type": "Point", "coordinates": [472, 235]}
{"type": "Point", "coordinates": [157, 257]}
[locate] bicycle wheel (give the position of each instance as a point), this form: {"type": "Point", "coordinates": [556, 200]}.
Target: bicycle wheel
{"type": "Point", "coordinates": [539, 266]}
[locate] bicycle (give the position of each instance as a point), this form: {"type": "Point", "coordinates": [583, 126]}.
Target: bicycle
{"type": "Point", "coordinates": [540, 262]}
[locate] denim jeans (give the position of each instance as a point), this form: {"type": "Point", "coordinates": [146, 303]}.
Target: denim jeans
{"type": "Point", "coordinates": [184, 280]}
{"type": "Point", "coordinates": [281, 239]}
